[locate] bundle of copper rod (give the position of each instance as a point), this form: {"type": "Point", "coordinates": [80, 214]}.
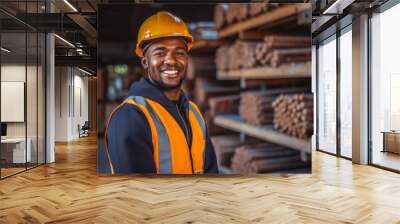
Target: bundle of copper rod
{"type": "Point", "coordinates": [225, 146]}
{"type": "Point", "coordinates": [258, 8]}
{"type": "Point", "coordinates": [237, 56]}
{"type": "Point", "coordinates": [293, 114]}
{"type": "Point", "coordinates": [256, 106]}
{"type": "Point", "coordinates": [224, 104]}
{"type": "Point", "coordinates": [273, 51]}
{"type": "Point", "coordinates": [281, 56]}
{"type": "Point", "coordinates": [264, 158]}
{"type": "Point", "coordinates": [278, 49]}
{"type": "Point", "coordinates": [205, 88]}
{"type": "Point", "coordinates": [220, 15]}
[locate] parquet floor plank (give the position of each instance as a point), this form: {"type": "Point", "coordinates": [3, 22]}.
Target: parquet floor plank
{"type": "Point", "coordinates": [70, 191]}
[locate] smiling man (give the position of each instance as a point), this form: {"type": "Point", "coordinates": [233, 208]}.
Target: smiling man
{"type": "Point", "coordinates": [157, 129]}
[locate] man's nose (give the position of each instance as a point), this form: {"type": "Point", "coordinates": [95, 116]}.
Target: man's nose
{"type": "Point", "coordinates": [170, 59]}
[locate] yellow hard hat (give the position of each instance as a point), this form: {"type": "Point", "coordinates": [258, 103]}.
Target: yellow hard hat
{"type": "Point", "coordinates": [162, 24]}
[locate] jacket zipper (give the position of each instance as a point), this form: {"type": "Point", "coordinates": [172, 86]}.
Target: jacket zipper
{"type": "Point", "coordinates": [187, 136]}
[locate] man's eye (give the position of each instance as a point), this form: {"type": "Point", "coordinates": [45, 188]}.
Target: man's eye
{"type": "Point", "coordinates": [181, 53]}
{"type": "Point", "coordinates": [159, 53]}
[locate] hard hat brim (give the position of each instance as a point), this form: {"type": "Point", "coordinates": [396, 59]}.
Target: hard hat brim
{"type": "Point", "coordinates": [139, 46]}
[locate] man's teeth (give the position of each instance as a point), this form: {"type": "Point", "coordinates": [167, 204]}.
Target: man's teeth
{"type": "Point", "coordinates": [170, 73]}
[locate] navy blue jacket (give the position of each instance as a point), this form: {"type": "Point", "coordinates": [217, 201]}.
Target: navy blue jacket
{"type": "Point", "coordinates": [129, 135]}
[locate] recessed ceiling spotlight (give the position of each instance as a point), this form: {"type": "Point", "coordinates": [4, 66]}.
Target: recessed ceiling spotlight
{"type": "Point", "coordinates": [70, 5]}
{"type": "Point", "coordinates": [5, 50]}
{"type": "Point", "coordinates": [84, 71]}
{"type": "Point", "coordinates": [64, 40]}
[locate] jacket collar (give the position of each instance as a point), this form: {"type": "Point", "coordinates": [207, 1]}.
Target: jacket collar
{"type": "Point", "coordinates": [146, 89]}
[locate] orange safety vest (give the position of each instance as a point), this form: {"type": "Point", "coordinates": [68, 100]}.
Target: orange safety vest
{"type": "Point", "coordinates": [171, 149]}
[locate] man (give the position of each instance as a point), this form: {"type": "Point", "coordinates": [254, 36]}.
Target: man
{"type": "Point", "coordinates": [157, 129]}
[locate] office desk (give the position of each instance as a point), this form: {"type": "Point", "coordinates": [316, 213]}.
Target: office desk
{"type": "Point", "coordinates": [13, 150]}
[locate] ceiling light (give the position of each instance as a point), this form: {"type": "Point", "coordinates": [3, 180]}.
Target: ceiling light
{"type": "Point", "coordinates": [5, 50]}
{"type": "Point", "coordinates": [65, 41]}
{"type": "Point", "coordinates": [338, 6]}
{"type": "Point", "coordinates": [84, 71]}
{"type": "Point", "coordinates": [70, 5]}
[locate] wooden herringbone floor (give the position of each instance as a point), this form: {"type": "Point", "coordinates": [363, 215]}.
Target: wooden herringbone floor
{"type": "Point", "coordinates": [70, 191]}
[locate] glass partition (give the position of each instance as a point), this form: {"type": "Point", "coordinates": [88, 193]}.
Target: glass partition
{"type": "Point", "coordinates": [385, 89]}
{"type": "Point", "coordinates": [327, 95]}
{"type": "Point", "coordinates": [23, 89]}
{"type": "Point", "coordinates": [14, 153]}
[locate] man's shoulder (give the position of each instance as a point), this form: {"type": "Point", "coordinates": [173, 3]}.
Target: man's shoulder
{"type": "Point", "coordinates": [127, 112]}
{"type": "Point", "coordinates": [127, 120]}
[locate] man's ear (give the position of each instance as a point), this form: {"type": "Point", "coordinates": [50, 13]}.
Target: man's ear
{"type": "Point", "coordinates": [144, 62]}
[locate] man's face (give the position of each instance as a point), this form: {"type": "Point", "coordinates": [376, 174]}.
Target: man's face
{"type": "Point", "coordinates": [166, 61]}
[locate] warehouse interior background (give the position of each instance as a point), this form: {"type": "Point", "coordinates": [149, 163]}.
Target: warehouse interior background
{"type": "Point", "coordinates": [62, 74]}
{"type": "Point", "coordinates": [225, 100]}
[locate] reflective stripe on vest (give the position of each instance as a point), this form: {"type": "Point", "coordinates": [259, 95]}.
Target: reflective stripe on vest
{"type": "Point", "coordinates": [171, 149]}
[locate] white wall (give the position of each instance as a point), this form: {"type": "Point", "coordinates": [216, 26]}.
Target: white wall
{"type": "Point", "coordinates": [71, 94]}
{"type": "Point", "coordinates": [12, 73]}
{"type": "Point", "coordinates": [16, 73]}
{"type": "Point", "coordinates": [61, 103]}
{"type": "Point", "coordinates": [12, 100]}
